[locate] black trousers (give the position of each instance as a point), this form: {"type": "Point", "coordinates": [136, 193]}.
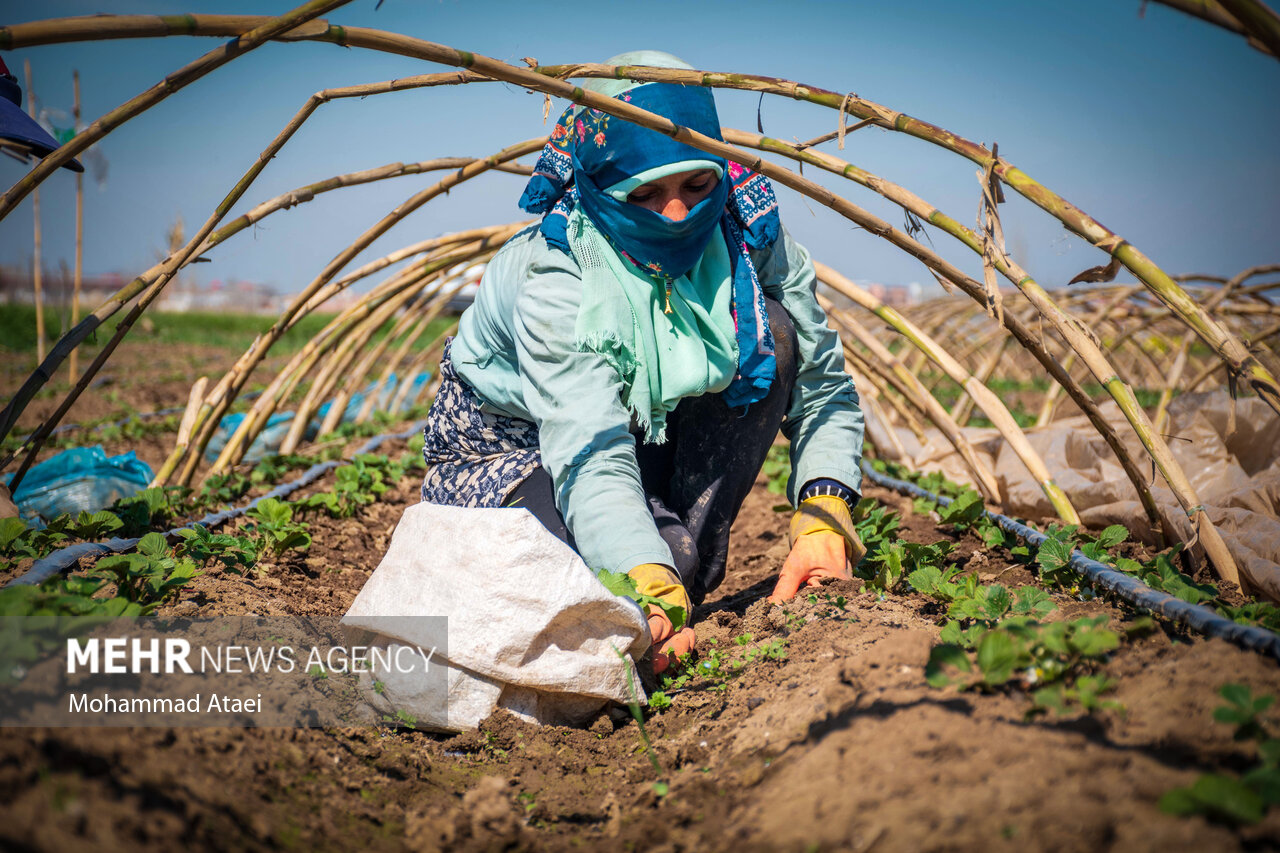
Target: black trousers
{"type": "Point", "coordinates": [696, 481]}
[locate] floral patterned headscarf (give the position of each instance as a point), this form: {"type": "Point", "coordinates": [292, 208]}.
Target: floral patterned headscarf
{"type": "Point", "coordinates": [590, 151]}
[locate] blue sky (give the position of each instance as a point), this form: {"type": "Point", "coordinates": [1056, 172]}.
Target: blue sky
{"type": "Point", "coordinates": [1162, 127]}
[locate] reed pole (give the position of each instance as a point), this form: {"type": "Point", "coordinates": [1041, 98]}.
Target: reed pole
{"type": "Point", "coordinates": [265, 29]}
{"type": "Point", "coordinates": [37, 271]}
{"type": "Point", "coordinates": [79, 270]}
{"type": "Point", "coordinates": [914, 390]}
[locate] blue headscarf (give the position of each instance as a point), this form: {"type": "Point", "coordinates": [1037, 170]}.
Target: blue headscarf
{"type": "Point", "coordinates": [590, 151]}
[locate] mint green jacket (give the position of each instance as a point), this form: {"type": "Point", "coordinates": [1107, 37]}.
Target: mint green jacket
{"type": "Point", "coordinates": [515, 348]}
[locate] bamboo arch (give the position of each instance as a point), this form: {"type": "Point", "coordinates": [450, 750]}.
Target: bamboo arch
{"type": "Point", "coordinates": [1190, 322]}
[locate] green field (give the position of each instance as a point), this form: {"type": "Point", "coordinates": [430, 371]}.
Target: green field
{"type": "Point", "coordinates": [229, 331]}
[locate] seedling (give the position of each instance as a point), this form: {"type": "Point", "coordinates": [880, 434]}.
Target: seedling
{"type": "Point", "coordinates": [274, 529]}
{"type": "Point", "coordinates": [149, 576]}
{"type": "Point", "coordinates": [1225, 798]}
{"type": "Point", "coordinates": [622, 584]}
{"type": "Point", "coordinates": [238, 554]}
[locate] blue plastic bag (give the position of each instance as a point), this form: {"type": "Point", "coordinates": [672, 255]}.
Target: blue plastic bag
{"type": "Point", "coordinates": [79, 479]}
{"type": "Point", "coordinates": [266, 444]}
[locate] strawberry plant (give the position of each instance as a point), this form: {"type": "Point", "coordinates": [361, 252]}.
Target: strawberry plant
{"type": "Point", "coordinates": [887, 568]}
{"type": "Point", "coordinates": [622, 584]}
{"type": "Point", "coordinates": [1086, 693]}
{"type": "Point", "coordinates": [18, 541]}
{"type": "Point", "coordinates": [1226, 798]}
{"type": "Point", "coordinates": [222, 490]}
{"type": "Point", "coordinates": [272, 469]}
{"type": "Point", "coordinates": [874, 523]}
{"type": "Point", "coordinates": [1020, 646]}
{"type": "Point", "coordinates": [152, 509]}
{"type": "Point", "coordinates": [1160, 573]}
{"type": "Point", "coordinates": [149, 576]}
{"type": "Point", "coordinates": [273, 529]}
{"type": "Point", "coordinates": [36, 620]}
{"type": "Point", "coordinates": [355, 485]}
{"type": "Point", "coordinates": [238, 554]}
{"type": "Point", "coordinates": [966, 513]}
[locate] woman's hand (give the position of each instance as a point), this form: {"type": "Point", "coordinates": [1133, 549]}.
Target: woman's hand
{"type": "Point", "coordinates": [824, 544]}
{"type": "Point", "coordinates": [662, 582]}
{"type": "Point", "coordinates": [669, 644]}
{"type": "Point", "coordinates": [813, 557]}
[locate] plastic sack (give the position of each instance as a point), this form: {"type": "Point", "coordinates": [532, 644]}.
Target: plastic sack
{"type": "Point", "coordinates": [79, 479]}
{"type": "Point", "coordinates": [266, 444]}
{"type": "Point", "coordinates": [529, 627]}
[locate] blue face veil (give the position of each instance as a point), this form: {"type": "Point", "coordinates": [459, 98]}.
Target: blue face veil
{"type": "Point", "coordinates": [590, 152]}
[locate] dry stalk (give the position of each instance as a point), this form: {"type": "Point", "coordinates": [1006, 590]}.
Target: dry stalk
{"type": "Point", "coordinates": [984, 398]}
{"type": "Point", "coordinates": [911, 388]}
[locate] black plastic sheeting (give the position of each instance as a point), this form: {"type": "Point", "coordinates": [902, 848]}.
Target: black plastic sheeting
{"type": "Point", "coordinates": [1132, 590]}
{"type": "Point", "coordinates": [62, 560]}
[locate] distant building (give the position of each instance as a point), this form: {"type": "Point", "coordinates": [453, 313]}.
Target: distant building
{"type": "Point", "coordinates": [245, 297]}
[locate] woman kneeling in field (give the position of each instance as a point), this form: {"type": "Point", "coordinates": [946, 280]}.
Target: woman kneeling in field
{"type": "Point", "coordinates": [629, 361]}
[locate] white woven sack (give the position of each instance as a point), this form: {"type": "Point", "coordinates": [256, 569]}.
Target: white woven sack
{"type": "Point", "coordinates": [530, 628]}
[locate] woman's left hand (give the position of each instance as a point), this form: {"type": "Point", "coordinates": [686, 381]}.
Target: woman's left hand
{"type": "Point", "coordinates": [813, 557]}
{"type": "Point", "coordinates": [668, 644]}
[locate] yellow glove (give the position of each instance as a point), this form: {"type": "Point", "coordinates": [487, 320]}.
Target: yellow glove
{"type": "Point", "coordinates": [662, 582]}
{"type": "Point", "coordinates": [827, 514]}
{"type": "Point", "coordinates": [816, 552]}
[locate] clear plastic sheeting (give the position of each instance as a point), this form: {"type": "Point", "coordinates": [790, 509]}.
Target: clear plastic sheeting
{"type": "Point", "coordinates": [1230, 451]}
{"type": "Point", "coordinates": [83, 479]}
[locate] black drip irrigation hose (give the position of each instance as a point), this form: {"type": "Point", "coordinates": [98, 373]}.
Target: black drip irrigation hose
{"type": "Point", "coordinates": [1132, 590]}
{"type": "Point", "coordinates": [62, 560]}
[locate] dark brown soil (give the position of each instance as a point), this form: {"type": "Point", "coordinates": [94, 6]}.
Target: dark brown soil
{"type": "Point", "coordinates": [839, 746]}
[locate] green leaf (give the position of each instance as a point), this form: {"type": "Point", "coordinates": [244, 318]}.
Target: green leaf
{"type": "Point", "coordinates": [1269, 752]}
{"type": "Point", "coordinates": [925, 580]}
{"type": "Point", "coordinates": [1179, 801]}
{"type": "Point", "coordinates": [1265, 782]}
{"type": "Point", "coordinates": [1052, 696]}
{"type": "Point", "coordinates": [996, 602]}
{"type": "Point", "coordinates": [942, 656]}
{"type": "Point", "coordinates": [11, 531]}
{"type": "Point", "coordinates": [1033, 601]}
{"type": "Point", "coordinates": [622, 584]}
{"type": "Point", "coordinates": [1053, 558]}
{"type": "Point", "coordinates": [1113, 536]}
{"type": "Point", "coordinates": [1227, 798]}
{"type": "Point", "coordinates": [153, 545]}
{"type": "Point", "coordinates": [1091, 641]}
{"type": "Point", "coordinates": [1237, 694]}
{"type": "Point", "coordinates": [998, 656]}
{"type": "Point", "coordinates": [964, 510]}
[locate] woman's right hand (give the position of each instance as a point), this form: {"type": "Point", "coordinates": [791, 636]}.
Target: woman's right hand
{"type": "Point", "coordinates": [668, 643]}
{"type": "Point", "coordinates": [662, 582]}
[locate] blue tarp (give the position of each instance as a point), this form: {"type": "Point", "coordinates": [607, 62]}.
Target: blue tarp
{"type": "Point", "coordinates": [269, 440]}
{"type": "Point", "coordinates": [85, 478]}
{"type": "Point", "coordinates": [82, 478]}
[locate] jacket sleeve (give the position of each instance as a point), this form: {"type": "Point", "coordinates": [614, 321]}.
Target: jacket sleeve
{"type": "Point", "coordinates": [583, 428]}
{"type": "Point", "coordinates": [824, 421]}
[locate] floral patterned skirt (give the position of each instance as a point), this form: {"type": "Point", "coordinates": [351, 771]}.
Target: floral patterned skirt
{"type": "Point", "coordinates": [473, 458]}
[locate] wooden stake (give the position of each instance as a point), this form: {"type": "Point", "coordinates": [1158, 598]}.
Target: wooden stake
{"type": "Point", "coordinates": [36, 271]}
{"type": "Point", "coordinates": [79, 275]}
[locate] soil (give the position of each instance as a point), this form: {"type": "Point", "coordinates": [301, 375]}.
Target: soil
{"type": "Point", "coordinates": [839, 746]}
{"type": "Point", "coordinates": [140, 377]}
